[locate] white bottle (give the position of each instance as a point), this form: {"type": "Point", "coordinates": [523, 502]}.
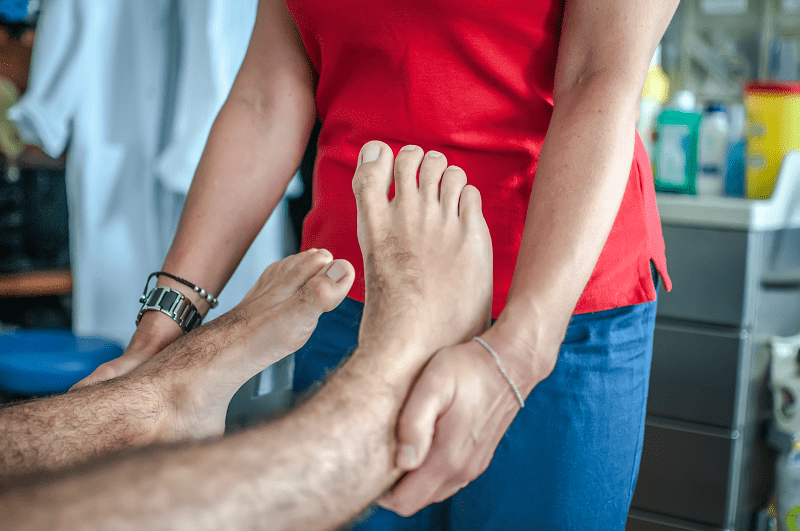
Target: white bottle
{"type": "Point", "coordinates": [712, 151]}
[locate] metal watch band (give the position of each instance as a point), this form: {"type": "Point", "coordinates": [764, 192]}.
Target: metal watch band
{"type": "Point", "coordinates": [173, 303]}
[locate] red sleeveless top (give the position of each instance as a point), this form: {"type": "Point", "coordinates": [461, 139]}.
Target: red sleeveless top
{"type": "Point", "coordinates": [474, 80]}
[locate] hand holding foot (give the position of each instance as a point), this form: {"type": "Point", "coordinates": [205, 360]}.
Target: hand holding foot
{"type": "Point", "coordinates": [427, 253]}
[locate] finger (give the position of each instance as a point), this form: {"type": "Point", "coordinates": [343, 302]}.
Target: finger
{"type": "Point", "coordinates": [431, 396]}
{"type": "Point", "coordinates": [417, 489]}
{"type": "Point", "coordinates": [109, 370]}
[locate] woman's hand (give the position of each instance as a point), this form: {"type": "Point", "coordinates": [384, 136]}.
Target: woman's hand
{"type": "Point", "coordinates": [454, 418]}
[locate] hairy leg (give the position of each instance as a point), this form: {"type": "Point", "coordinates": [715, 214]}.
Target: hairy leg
{"type": "Point", "coordinates": [184, 391]}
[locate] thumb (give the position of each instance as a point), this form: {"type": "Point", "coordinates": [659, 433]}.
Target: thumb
{"type": "Point", "coordinates": [110, 369]}
{"type": "Point", "coordinates": [431, 395]}
{"type": "Point", "coordinates": [100, 374]}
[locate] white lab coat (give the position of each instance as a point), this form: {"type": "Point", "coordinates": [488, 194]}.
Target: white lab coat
{"type": "Point", "coordinates": [133, 87]}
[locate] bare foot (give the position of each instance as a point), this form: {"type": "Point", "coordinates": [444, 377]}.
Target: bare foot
{"type": "Point", "coordinates": [202, 370]}
{"type": "Point", "coordinates": [427, 254]}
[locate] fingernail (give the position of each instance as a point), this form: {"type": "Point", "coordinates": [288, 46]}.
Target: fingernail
{"type": "Point", "coordinates": [337, 271]}
{"type": "Point", "coordinates": [408, 148]}
{"type": "Point", "coordinates": [434, 154]}
{"type": "Point", "coordinates": [407, 457]}
{"type": "Point", "coordinates": [371, 153]}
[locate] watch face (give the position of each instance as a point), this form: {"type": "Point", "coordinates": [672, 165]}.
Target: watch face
{"type": "Point", "coordinates": [167, 300]}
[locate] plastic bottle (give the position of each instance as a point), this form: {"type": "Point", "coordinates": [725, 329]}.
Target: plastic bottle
{"type": "Point", "coordinates": [675, 151]}
{"type": "Point", "coordinates": [735, 172]}
{"type": "Point", "coordinates": [654, 96]}
{"type": "Point", "coordinates": [712, 152]}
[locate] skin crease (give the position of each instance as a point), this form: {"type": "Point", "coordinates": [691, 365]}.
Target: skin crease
{"type": "Point", "coordinates": [327, 460]}
{"type": "Point", "coordinates": [604, 50]}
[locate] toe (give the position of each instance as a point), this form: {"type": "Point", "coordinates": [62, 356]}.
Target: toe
{"type": "Point", "coordinates": [453, 182]}
{"type": "Point", "coordinates": [328, 287]}
{"type": "Point", "coordinates": [307, 265]}
{"type": "Point", "coordinates": [469, 207]}
{"type": "Point", "coordinates": [373, 177]}
{"type": "Point", "coordinates": [406, 165]}
{"type": "Point", "coordinates": [297, 317]}
{"type": "Point", "coordinates": [430, 175]}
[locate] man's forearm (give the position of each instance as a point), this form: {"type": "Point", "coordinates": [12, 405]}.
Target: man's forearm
{"type": "Point", "coordinates": [60, 431]}
{"type": "Point", "coordinates": [313, 469]}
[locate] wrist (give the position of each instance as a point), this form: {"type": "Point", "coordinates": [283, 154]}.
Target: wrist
{"type": "Point", "coordinates": [199, 302]}
{"type": "Point", "coordinates": [528, 341]}
{"type": "Point", "coordinates": [154, 333]}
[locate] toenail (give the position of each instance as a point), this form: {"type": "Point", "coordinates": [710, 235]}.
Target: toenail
{"type": "Point", "coordinates": [454, 168]}
{"type": "Point", "coordinates": [434, 154]}
{"type": "Point", "coordinates": [408, 148]}
{"type": "Point", "coordinates": [337, 271]}
{"type": "Point", "coordinates": [371, 153]}
{"type": "Point", "coordinates": [312, 250]}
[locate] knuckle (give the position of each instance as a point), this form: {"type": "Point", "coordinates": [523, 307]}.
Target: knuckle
{"type": "Point", "coordinates": [454, 463]}
{"type": "Point", "coordinates": [363, 181]}
{"type": "Point", "coordinates": [315, 288]}
{"type": "Point", "coordinates": [306, 294]}
{"type": "Point", "coordinates": [404, 510]}
{"type": "Point", "coordinates": [474, 469]}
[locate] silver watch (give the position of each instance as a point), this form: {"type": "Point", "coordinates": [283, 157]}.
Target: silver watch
{"type": "Point", "coordinates": [173, 303]}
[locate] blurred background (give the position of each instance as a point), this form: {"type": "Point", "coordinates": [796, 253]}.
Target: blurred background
{"type": "Point", "coordinates": [106, 106]}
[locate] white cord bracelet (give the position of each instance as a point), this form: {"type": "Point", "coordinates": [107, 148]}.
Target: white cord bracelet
{"type": "Point", "coordinates": [502, 370]}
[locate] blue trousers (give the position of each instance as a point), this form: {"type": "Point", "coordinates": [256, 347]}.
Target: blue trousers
{"type": "Point", "coordinates": [570, 458]}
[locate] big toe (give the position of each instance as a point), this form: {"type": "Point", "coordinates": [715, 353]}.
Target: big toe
{"type": "Point", "coordinates": [321, 293]}
{"type": "Point", "coordinates": [372, 178]}
{"type": "Point", "coordinates": [307, 264]}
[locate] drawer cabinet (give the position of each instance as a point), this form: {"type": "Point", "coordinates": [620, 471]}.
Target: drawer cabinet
{"type": "Point", "coordinates": [684, 474]}
{"type": "Point", "coordinates": [694, 374]}
{"type": "Point", "coordinates": [707, 268]}
{"type": "Point", "coordinates": [704, 464]}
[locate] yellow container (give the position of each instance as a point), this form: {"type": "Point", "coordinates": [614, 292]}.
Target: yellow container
{"type": "Point", "coordinates": [773, 118]}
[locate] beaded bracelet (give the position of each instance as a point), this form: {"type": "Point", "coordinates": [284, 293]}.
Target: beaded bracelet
{"type": "Point", "coordinates": [210, 299]}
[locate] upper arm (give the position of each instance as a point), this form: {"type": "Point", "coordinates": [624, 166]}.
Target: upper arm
{"type": "Point", "coordinates": [612, 38]}
{"type": "Point", "coordinates": [276, 71]}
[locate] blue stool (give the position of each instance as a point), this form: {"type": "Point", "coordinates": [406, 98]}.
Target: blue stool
{"type": "Point", "coordinates": [47, 361]}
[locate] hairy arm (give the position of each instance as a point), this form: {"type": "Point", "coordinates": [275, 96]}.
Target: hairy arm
{"type": "Point", "coordinates": [157, 403]}
{"type": "Point", "coordinates": [314, 469]}
{"type": "Point", "coordinates": [57, 432]}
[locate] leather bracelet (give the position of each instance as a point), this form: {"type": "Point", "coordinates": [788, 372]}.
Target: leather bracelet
{"type": "Point", "coordinates": [210, 299]}
{"type": "Point", "coordinates": [172, 303]}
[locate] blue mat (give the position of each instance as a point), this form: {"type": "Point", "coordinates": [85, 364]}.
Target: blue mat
{"type": "Point", "coordinates": [47, 361]}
